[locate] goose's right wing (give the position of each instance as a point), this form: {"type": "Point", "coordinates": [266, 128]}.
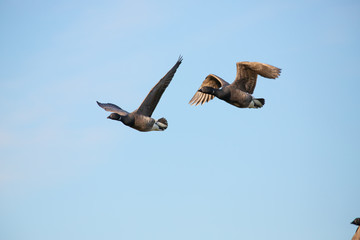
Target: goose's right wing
{"type": "Point", "coordinates": [149, 104]}
{"type": "Point", "coordinates": [247, 72]}
{"type": "Point", "coordinates": [112, 108]}
{"type": "Point", "coordinates": [210, 81]}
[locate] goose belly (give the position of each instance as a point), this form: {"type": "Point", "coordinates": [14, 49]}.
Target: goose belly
{"type": "Point", "coordinates": [239, 98]}
{"type": "Point", "coordinates": [240, 102]}
{"type": "Point", "coordinates": [143, 123]}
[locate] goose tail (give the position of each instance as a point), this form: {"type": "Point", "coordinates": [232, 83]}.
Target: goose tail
{"type": "Point", "coordinates": [257, 103]}
{"type": "Point", "coordinates": [162, 123]}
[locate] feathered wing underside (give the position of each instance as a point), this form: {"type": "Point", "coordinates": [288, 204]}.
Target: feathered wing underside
{"type": "Point", "coordinates": [356, 235]}
{"type": "Point", "coordinates": [210, 81]}
{"type": "Point", "coordinates": [247, 72]}
{"type": "Point", "coordinates": [112, 108]}
{"type": "Point", "coordinates": [149, 104]}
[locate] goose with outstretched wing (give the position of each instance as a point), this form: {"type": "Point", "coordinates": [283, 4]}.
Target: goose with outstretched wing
{"type": "Point", "coordinates": [239, 93]}
{"type": "Point", "coordinates": [141, 119]}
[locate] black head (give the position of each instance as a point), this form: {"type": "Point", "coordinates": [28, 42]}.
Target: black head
{"type": "Point", "coordinates": [114, 116]}
{"type": "Point", "coordinates": [208, 90]}
{"type": "Point", "coordinates": [356, 221]}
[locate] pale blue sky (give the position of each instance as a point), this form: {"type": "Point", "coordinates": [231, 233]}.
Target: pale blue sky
{"type": "Point", "coordinates": [218, 172]}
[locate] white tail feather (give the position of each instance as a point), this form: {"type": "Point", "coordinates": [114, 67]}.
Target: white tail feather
{"type": "Point", "coordinates": [255, 104]}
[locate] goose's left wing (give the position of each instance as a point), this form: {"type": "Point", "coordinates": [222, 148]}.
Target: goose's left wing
{"type": "Point", "coordinates": [211, 80]}
{"type": "Point", "coordinates": [112, 108]}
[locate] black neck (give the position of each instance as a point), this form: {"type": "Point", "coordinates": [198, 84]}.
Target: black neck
{"type": "Point", "coordinates": [222, 93]}
{"type": "Point", "coordinates": [128, 120]}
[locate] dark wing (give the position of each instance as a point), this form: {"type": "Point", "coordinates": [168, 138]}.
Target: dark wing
{"type": "Point", "coordinates": [247, 74]}
{"type": "Point", "coordinates": [210, 81]}
{"type": "Point", "coordinates": [112, 108]}
{"type": "Point", "coordinates": [148, 106]}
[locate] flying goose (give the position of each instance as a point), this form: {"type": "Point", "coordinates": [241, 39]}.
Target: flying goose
{"type": "Point", "coordinates": [239, 92]}
{"type": "Point", "coordinates": [357, 232]}
{"type": "Point", "coordinates": [141, 119]}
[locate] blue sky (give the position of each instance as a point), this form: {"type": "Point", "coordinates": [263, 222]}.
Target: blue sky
{"type": "Point", "coordinates": [218, 172]}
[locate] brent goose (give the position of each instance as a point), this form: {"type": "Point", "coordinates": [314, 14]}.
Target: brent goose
{"type": "Point", "coordinates": [140, 119]}
{"type": "Point", "coordinates": [239, 92]}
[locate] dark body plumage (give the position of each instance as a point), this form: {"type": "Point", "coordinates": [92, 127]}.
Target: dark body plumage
{"type": "Point", "coordinates": [239, 92]}
{"type": "Point", "coordinates": [141, 119]}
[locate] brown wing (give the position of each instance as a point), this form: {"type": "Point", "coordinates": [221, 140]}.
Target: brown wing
{"type": "Point", "coordinates": [247, 74]}
{"type": "Point", "coordinates": [210, 81]}
{"type": "Point", "coordinates": [356, 235]}
{"type": "Point", "coordinates": [148, 106]}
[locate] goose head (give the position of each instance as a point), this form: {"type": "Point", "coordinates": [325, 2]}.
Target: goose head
{"type": "Point", "coordinates": [114, 116]}
{"type": "Point", "coordinates": [356, 221]}
{"type": "Point", "coordinates": [208, 90]}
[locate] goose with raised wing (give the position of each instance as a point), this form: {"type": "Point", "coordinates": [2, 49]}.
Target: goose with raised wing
{"type": "Point", "coordinates": [239, 93]}
{"type": "Point", "coordinates": [141, 119]}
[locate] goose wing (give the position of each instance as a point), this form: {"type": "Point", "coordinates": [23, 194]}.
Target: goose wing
{"type": "Point", "coordinates": [210, 81]}
{"type": "Point", "coordinates": [112, 108]}
{"type": "Point", "coordinates": [247, 72]}
{"type": "Point", "coordinates": [148, 106]}
{"type": "Point", "coordinates": [357, 234]}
